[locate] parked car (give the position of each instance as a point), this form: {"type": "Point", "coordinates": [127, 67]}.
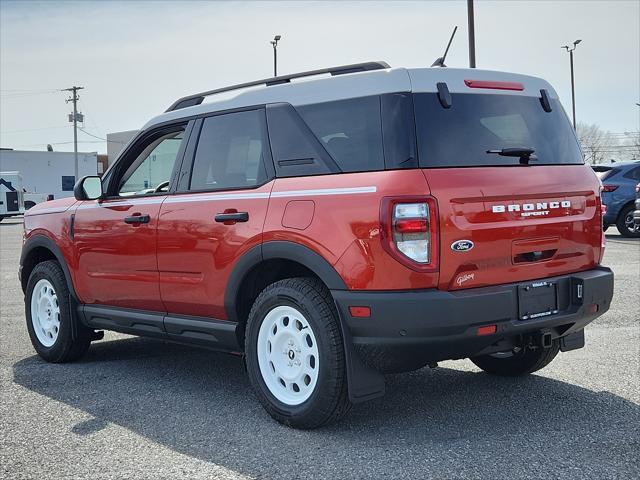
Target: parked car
{"type": "Point", "coordinates": [618, 194]}
{"type": "Point", "coordinates": [329, 231]}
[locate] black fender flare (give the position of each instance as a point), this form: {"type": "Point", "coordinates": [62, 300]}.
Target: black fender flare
{"type": "Point", "coordinates": [278, 250]}
{"type": "Point", "coordinates": [42, 241]}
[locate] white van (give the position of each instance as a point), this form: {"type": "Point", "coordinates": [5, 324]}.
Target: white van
{"type": "Point", "coordinates": [11, 195]}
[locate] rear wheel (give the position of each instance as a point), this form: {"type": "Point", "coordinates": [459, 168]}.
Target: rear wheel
{"type": "Point", "coordinates": [294, 353]}
{"type": "Point", "coordinates": [48, 313]}
{"type": "Point", "coordinates": [522, 362]}
{"type": "Point", "coordinates": [625, 222]}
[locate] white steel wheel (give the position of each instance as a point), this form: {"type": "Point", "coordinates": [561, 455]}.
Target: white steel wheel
{"type": "Point", "coordinates": [288, 355]}
{"type": "Point", "coordinates": [45, 312]}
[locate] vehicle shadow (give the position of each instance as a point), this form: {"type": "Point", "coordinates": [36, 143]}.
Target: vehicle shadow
{"type": "Point", "coordinates": [621, 239]}
{"type": "Point", "coordinates": [200, 403]}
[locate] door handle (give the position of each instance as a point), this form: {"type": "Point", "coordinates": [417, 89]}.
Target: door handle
{"type": "Point", "coordinates": [133, 219]}
{"type": "Point", "coordinates": [231, 217]}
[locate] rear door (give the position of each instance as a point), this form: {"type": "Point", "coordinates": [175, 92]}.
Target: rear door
{"type": "Point", "coordinates": [507, 218]}
{"type": "Point", "coordinates": [218, 214]}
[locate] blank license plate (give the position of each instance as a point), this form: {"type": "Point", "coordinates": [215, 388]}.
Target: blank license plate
{"type": "Point", "coordinates": [537, 299]}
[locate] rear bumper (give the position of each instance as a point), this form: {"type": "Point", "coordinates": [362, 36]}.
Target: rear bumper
{"type": "Point", "coordinates": [408, 329]}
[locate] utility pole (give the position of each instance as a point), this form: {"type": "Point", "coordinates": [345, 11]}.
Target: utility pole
{"type": "Point", "coordinates": [274, 43]}
{"type": "Point", "coordinates": [573, 90]}
{"type": "Point", "coordinates": [74, 98]}
{"type": "Point", "coordinates": [472, 35]}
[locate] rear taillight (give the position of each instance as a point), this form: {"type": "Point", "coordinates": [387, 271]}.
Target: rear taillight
{"type": "Point", "coordinates": [409, 231]}
{"type": "Point", "coordinates": [609, 188]}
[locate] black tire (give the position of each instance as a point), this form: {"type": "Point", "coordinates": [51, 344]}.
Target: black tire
{"type": "Point", "coordinates": [66, 348]}
{"type": "Point", "coordinates": [524, 362]}
{"type": "Point", "coordinates": [621, 224]}
{"type": "Point", "coordinates": [329, 400]}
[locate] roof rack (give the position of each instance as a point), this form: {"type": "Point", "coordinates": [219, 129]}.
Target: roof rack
{"type": "Point", "coordinates": [198, 98]}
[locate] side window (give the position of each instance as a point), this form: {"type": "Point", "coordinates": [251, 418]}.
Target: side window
{"type": "Point", "coordinates": [350, 130]}
{"type": "Point", "coordinates": [151, 171]}
{"type": "Point", "coordinates": [231, 152]}
{"type": "Point", "coordinates": [633, 174]}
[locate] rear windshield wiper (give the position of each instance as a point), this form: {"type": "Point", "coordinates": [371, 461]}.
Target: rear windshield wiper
{"type": "Point", "coordinates": [523, 153]}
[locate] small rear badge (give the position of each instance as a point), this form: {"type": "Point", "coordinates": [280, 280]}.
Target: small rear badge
{"type": "Point", "coordinates": [462, 245]}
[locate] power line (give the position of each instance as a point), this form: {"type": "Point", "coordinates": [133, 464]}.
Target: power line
{"type": "Point", "coordinates": [91, 134]}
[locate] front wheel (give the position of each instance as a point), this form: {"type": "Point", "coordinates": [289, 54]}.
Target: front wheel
{"type": "Point", "coordinates": [522, 362]}
{"type": "Point", "coordinates": [294, 354]}
{"type": "Point", "coordinates": [49, 319]}
{"type": "Point", "coordinates": [625, 223]}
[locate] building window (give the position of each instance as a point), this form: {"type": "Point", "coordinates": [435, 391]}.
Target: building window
{"type": "Point", "coordinates": [68, 182]}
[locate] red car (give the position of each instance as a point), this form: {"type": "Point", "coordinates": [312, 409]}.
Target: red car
{"type": "Point", "coordinates": [331, 230]}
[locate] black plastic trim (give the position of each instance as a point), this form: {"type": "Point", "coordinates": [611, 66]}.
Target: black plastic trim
{"type": "Point", "coordinates": [435, 325]}
{"type": "Point", "coordinates": [36, 241]}
{"type": "Point", "coordinates": [207, 332]}
{"type": "Point", "coordinates": [307, 257]}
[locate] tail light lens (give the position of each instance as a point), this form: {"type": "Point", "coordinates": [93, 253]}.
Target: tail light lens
{"type": "Point", "coordinates": [609, 188]}
{"type": "Point", "coordinates": [409, 231]}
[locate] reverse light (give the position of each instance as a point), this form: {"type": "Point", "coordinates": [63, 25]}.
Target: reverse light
{"type": "Point", "coordinates": [609, 188]}
{"type": "Point", "coordinates": [409, 231]}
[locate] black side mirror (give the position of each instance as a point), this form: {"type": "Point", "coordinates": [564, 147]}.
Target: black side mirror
{"type": "Point", "coordinates": [88, 188]}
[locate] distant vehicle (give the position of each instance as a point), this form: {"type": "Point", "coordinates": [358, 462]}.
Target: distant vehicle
{"type": "Point", "coordinates": [11, 200]}
{"type": "Point", "coordinates": [618, 193]}
{"type": "Point", "coordinates": [32, 199]}
{"type": "Point", "coordinates": [636, 213]}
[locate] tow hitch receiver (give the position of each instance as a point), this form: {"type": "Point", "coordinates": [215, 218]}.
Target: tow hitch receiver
{"type": "Point", "coordinates": [544, 340]}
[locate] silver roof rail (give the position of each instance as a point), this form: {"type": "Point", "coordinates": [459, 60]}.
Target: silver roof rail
{"type": "Point", "coordinates": [198, 98]}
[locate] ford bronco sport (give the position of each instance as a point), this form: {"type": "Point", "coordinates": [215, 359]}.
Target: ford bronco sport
{"type": "Point", "coordinates": [363, 221]}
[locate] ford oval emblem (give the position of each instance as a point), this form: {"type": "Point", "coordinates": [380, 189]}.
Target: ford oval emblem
{"type": "Point", "coordinates": [462, 245]}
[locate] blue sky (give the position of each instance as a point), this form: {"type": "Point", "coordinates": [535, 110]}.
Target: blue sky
{"type": "Point", "coordinates": [135, 58]}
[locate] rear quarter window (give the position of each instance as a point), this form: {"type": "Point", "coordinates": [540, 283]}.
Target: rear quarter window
{"type": "Point", "coordinates": [350, 131]}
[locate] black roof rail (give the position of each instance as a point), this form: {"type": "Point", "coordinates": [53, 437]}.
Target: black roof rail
{"type": "Point", "coordinates": [198, 98]}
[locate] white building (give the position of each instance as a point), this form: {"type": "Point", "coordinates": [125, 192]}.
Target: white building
{"type": "Point", "coordinates": [116, 141]}
{"type": "Point", "coordinates": [48, 173]}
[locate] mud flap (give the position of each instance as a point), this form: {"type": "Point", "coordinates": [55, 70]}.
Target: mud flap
{"type": "Point", "coordinates": [573, 341]}
{"type": "Point", "coordinates": [363, 382]}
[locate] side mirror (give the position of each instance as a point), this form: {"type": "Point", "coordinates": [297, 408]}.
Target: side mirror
{"type": "Point", "coordinates": [88, 188]}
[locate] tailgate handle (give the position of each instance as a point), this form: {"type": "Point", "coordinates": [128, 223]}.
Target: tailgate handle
{"type": "Point", "coordinates": [535, 256]}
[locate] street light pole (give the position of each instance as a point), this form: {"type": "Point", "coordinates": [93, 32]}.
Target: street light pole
{"type": "Point", "coordinates": [472, 34]}
{"type": "Point", "coordinates": [274, 43]}
{"type": "Point", "coordinates": [573, 90]}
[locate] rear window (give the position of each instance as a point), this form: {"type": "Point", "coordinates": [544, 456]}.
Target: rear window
{"type": "Point", "coordinates": [475, 123]}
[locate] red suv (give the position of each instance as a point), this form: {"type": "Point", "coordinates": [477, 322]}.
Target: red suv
{"type": "Point", "coordinates": [366, 221]}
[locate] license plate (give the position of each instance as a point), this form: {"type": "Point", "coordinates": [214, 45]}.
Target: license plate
{"type": "Point", "coordinates": [537, 299]}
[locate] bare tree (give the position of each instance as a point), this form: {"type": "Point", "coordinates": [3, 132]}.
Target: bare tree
{"type": "Point", "coordinates": [596, 143]}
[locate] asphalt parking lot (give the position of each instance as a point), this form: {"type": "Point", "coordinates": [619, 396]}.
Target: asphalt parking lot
{"type": "Point", "coordinates": [141, 408]}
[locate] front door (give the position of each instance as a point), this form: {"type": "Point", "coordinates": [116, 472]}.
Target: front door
{"type": "Point", "coordinates": [218, 215]}
{"type": "Point", "coordinates": [115, 237]}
